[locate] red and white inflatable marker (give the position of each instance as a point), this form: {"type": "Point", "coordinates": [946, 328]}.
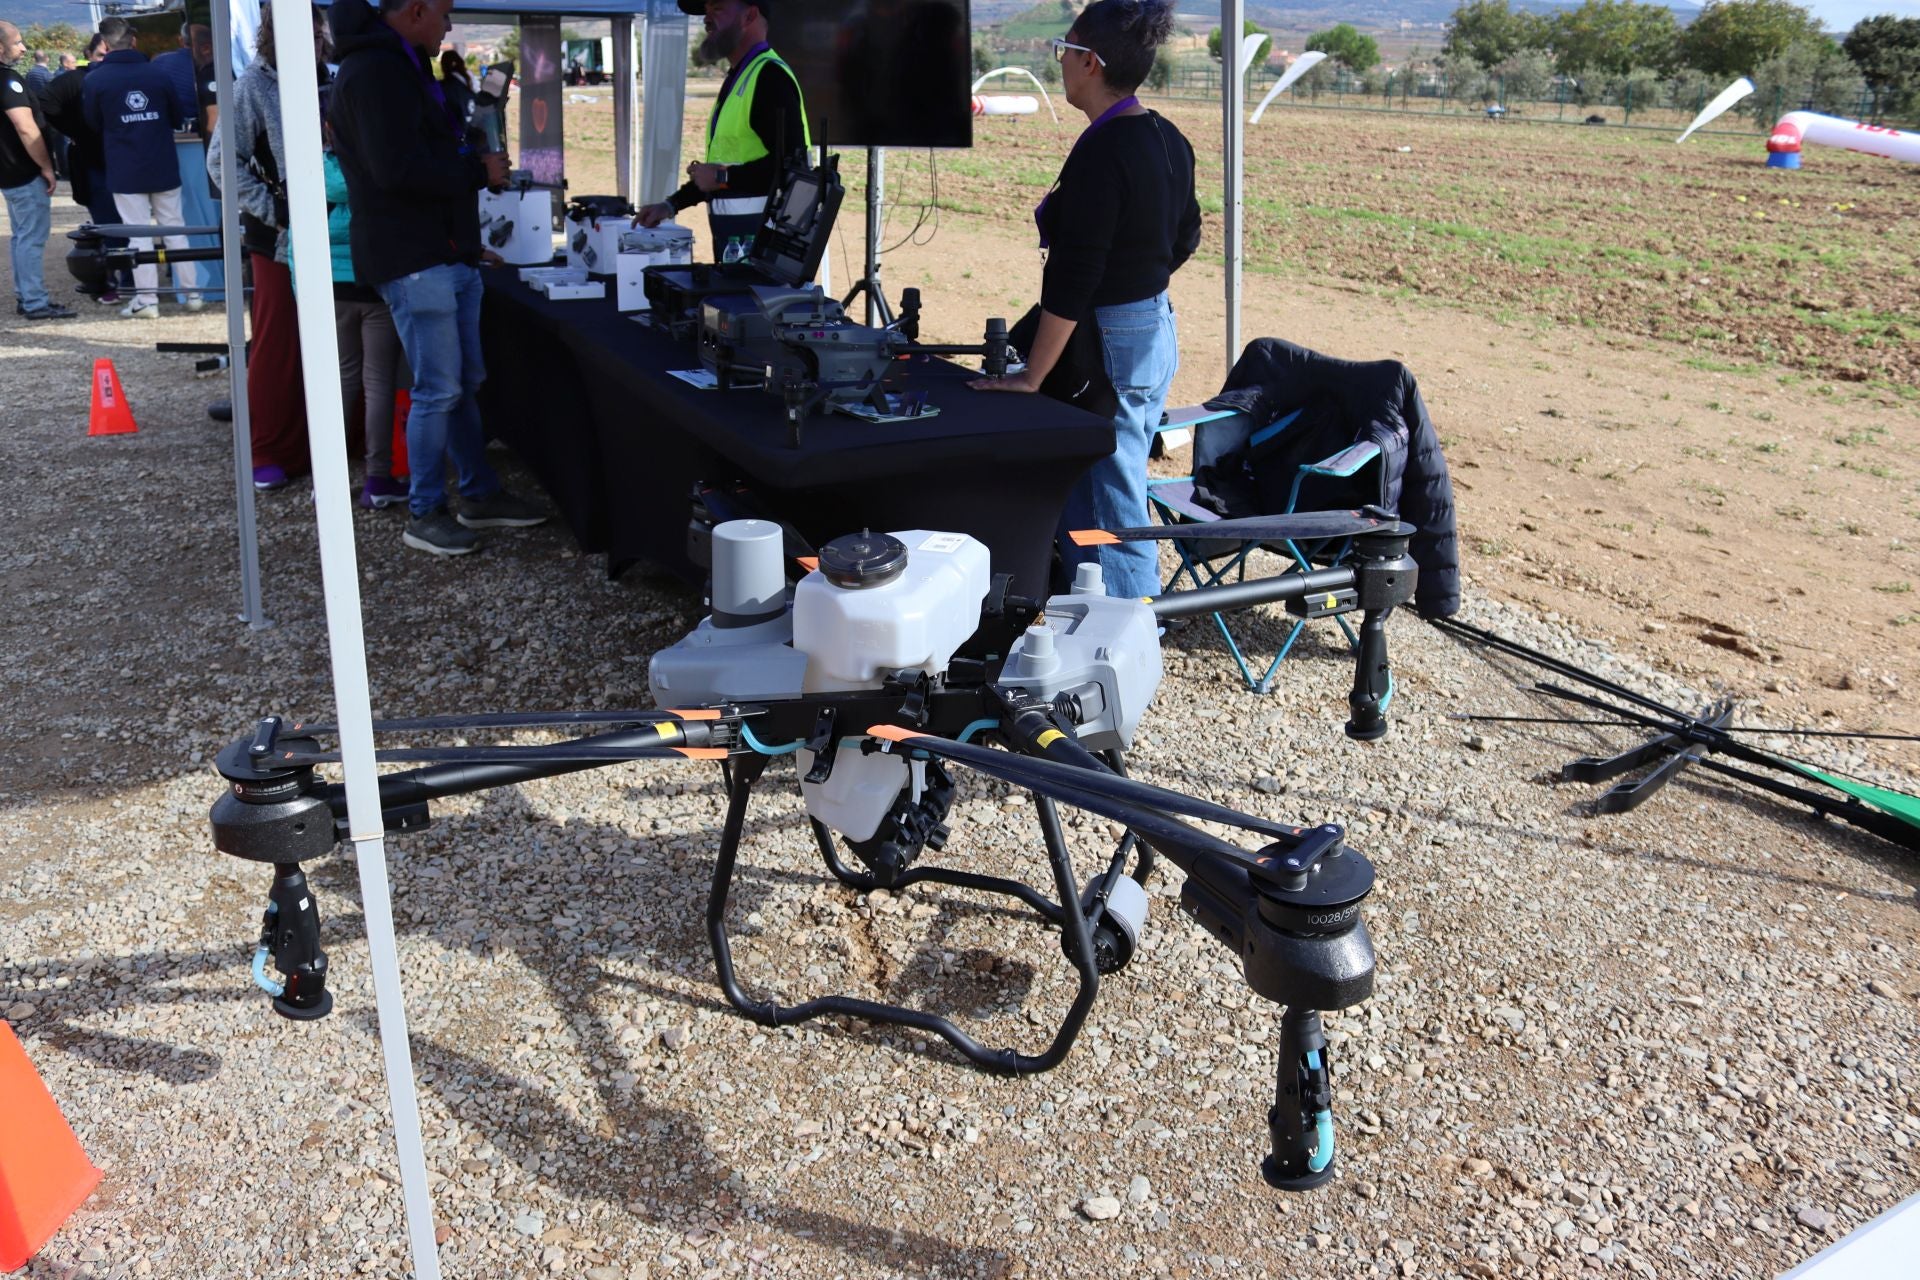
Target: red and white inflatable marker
{"type": "Point", "coordinates": [1798, 129]}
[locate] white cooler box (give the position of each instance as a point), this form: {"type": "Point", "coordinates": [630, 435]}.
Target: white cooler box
{"type": "Point", "coordinates": [518, 225]}
{"type": "Point", "coordinates": [593, 243]}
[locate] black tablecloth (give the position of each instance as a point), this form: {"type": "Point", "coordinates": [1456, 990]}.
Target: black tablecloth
{"type": "Point", "coordinates": [581, 393]}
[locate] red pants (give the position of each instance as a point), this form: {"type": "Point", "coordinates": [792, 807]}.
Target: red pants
{"type": "Point", "coordinates": [276, 398]}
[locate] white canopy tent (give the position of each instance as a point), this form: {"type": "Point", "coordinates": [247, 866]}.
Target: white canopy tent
{"type": "Point", "coordinates": [332, 495]}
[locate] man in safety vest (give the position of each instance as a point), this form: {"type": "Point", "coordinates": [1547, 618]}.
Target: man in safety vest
{"type": "Point", "coordinates": [757, 113]}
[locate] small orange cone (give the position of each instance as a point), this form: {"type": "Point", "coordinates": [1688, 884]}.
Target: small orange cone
{"type": "Point", "coordinates": [111, 414]}
{"type": "Point", "coordinates": [44, 1175]}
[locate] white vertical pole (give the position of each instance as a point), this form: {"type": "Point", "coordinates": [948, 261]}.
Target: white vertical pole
{"type": "Point", "coordinates": [1233, 103]}
{"type": "Point", "coordinates": [252, 612]}
{"type": "Point", "coordinates": [340, 578]}
{"type": "Point", "coordinates": [625, 98]}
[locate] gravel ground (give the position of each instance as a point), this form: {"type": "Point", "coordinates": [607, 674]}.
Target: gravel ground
{"type": "Point", "coordinates": [1675, 1043]}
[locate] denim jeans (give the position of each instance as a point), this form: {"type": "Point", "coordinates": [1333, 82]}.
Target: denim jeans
{"type": "Point", "coordinates": [30, 210]}
{"type": "Point", "coordinates": [437, 314]}
{"type": "Point", "coordinates": [1141, 346]}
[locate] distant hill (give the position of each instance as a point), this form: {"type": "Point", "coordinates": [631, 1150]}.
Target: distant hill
{"type": "Point", "coordinates": [1014, 16]}
{"type": "Point", "coordinates": [28, 13]}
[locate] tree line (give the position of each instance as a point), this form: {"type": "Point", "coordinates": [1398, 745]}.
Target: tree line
{"type": "Point", "coordinates": [1779, 45]}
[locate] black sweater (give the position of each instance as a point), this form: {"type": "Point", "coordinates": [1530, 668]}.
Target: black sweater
{"type": "Point", "coordinates": [1122, 217]}
{"type": "Point", "coordinates": [411, 182]}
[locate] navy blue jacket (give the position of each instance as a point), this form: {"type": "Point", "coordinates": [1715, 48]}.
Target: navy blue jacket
{"type": "Point", "coordinates": [132, 105]}
{"type": "Point", "coordinates": [1377, 401]}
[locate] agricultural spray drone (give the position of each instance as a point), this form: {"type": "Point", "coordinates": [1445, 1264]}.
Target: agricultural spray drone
{"type": "Point", "coordinates": [898, 657]}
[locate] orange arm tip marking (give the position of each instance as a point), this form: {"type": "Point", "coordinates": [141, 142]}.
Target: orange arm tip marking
{"type": "Point", "coordinates": [892, 733]}
{"type": "Point", "coordinates": [702, 753]}
{"type": "Point", "coordinates": [1093, 538]}
{"type": "Point", "coordinates": [696, 713]}
{"type": "Point", "coordinates": [810, 563]}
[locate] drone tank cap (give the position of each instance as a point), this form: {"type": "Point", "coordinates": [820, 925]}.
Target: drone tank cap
{"type": "Point", "coordinates": [859, 561]}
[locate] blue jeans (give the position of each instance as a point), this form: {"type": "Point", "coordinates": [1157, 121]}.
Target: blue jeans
{"type": "Point", "coordinates": [30, 210]}
{"type": "Point", "coordinates": [437, 314]}
{"type": "Point", "coordinates": [1141, 345]}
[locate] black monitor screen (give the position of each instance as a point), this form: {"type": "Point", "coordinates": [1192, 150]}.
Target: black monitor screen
{"type": "Point", "coordinates": [880, 73]}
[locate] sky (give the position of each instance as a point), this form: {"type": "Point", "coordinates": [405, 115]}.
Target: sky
{"type": "Point", "coordinates": [1839, 15]}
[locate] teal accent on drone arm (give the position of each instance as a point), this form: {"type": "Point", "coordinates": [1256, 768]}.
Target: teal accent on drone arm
{"type": "Point", "coordinates": [1322, 1127]}
{"type": "Point", "coordinates": [260, 978]}
{"type": "Point", "coordinates": [746, 736]}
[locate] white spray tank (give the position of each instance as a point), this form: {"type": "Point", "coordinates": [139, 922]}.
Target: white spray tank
{"type": "Point", "coordinates": [881, 603]}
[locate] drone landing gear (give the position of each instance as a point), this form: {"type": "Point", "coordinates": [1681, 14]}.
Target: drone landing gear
{"type": "Point", "coordinates": [1300, 1122]}
{"type": "Point", "coordinates": [1080, 927]}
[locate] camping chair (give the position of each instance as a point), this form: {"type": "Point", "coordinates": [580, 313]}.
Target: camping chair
{"type": "Point", "coordinates": [1207, 563]}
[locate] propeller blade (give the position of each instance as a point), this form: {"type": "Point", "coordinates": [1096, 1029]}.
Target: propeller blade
{"type": "Point", "coordinates": [1304, 524]}
{"type": "Point", "coordinates": [559, 753]}
{"type": "Point", "coordinates": [521, 720]}
{"type": "Point", "coordinates": [1052, 778]}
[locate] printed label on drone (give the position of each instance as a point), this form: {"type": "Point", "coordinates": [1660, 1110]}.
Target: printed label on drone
{"type": "Point", "coordinates": [944, 543]}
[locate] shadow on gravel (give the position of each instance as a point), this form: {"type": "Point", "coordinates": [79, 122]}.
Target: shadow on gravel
{"type": "Point", "coordinates": [657, 1165]}
{"type": "Point", "coordinates": [131, 1054]}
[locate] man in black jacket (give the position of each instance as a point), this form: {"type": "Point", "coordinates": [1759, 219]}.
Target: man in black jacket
{"type": "Point", "coordinates": [413, 186]}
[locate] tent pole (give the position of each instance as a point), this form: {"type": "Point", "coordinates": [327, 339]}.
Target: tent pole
{"type": "Point", "coordinates": [340, 578]}
{"type": "Point", "coordinates": [252, 612]}
{"type": "Point", "coordinates": [625, 90]}
{"type": "Point", "coordinates": [1232, 103]}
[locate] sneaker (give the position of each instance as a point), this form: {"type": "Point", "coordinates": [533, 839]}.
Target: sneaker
{"type": "Point", "coordinates": [220, 410]}
{"type": "Point", "coordinates": [501, 511]}
{"type": "Point", "coordinates": [195, 302]}
{"type": "Point", "coordinates": [108, 297]}
{"type": "Point", "coordinates": [437, 533]}
{"type": "Point", "coordinates": [136, 311]}
{"type": "Point", "coordinates": [52, 311]}
{"type": "Point", "coordinates": [380, 492]}
{"type": "Point", "coordinates": [269, 477]}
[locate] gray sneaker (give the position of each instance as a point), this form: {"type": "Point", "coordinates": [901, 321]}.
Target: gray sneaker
{"type": "Point", "coordinates": [501, 511]}
{"type": "Point", "coordinates": [437, 534]}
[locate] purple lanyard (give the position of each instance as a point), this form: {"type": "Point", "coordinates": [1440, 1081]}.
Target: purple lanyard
{"type": "Point", "coordinates": [1125, 104]}
{"type": "Point", "coordinates": [433, 86]}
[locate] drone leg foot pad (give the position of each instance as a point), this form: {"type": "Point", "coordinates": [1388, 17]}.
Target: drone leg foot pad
{"type": "Point", "coordinates": [1302, 1182]}
{"type": "Point", "coordinates": [313, 1013]}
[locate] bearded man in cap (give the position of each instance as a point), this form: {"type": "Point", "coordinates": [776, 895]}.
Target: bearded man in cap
{"type": "Point", "coordinates": [758, 120]}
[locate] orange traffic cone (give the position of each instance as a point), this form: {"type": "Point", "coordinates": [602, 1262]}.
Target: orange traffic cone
{"type": "Point", "coordinates": [111, 414]}
{"type": "Point", "coordinates": [44, 1175]}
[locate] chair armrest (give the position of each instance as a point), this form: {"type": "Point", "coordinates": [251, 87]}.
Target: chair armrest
{"type": "Point", "coordinates": [1344, 463]}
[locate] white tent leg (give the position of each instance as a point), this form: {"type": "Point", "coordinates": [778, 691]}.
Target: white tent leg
{"type": "Point", "coordinates": [625, 96]}
{"type": "Point", "coordinates": [1233, 104]}
{"type": "Point", "coordinates": [252, 611]}
{"type": "Point", "coordinates": [320, 360]}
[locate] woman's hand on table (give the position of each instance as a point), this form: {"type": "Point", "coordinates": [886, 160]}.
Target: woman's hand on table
{"type": "Point", "coordinates": [1023, 381]}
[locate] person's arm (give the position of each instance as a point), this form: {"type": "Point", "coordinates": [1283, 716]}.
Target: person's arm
{"type": "Point", "coordinates": [185, 109]}
{"type": "Point", "coordinates": [252, 194]}
{"type": "Point", "coordinates": [36, 146]}
{"type": "Point", "coordinates": [1187, 236]}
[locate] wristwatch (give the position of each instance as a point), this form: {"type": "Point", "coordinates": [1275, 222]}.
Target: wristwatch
{"type": "Point", "coordinates": [723, 175]}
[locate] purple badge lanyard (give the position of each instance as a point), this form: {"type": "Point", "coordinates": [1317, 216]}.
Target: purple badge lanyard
{"type": "Point", "coordinates": [1125, 104]}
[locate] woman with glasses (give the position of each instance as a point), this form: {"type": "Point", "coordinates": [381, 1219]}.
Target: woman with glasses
{"type": "Point", "coordinates": [1120, 220]}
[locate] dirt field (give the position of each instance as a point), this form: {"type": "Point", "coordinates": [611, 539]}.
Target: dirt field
{"type": "Point", "coordinates": [1676, 388]}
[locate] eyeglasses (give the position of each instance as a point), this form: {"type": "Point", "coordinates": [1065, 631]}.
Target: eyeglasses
{"type": "Point", "coordinates": [1060, 48]}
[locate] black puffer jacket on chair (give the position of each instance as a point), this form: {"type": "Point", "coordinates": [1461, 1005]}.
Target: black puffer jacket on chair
{"type": "Point", "coordinates": [1379, 402]}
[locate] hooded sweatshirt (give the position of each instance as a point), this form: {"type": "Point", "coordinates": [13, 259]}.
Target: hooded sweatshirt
{"type": "Point", "coordinates": [411, 182]}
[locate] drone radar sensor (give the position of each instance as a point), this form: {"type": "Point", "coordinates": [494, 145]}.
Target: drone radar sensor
{"type": "Point", "coordinates": [896, 665]}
